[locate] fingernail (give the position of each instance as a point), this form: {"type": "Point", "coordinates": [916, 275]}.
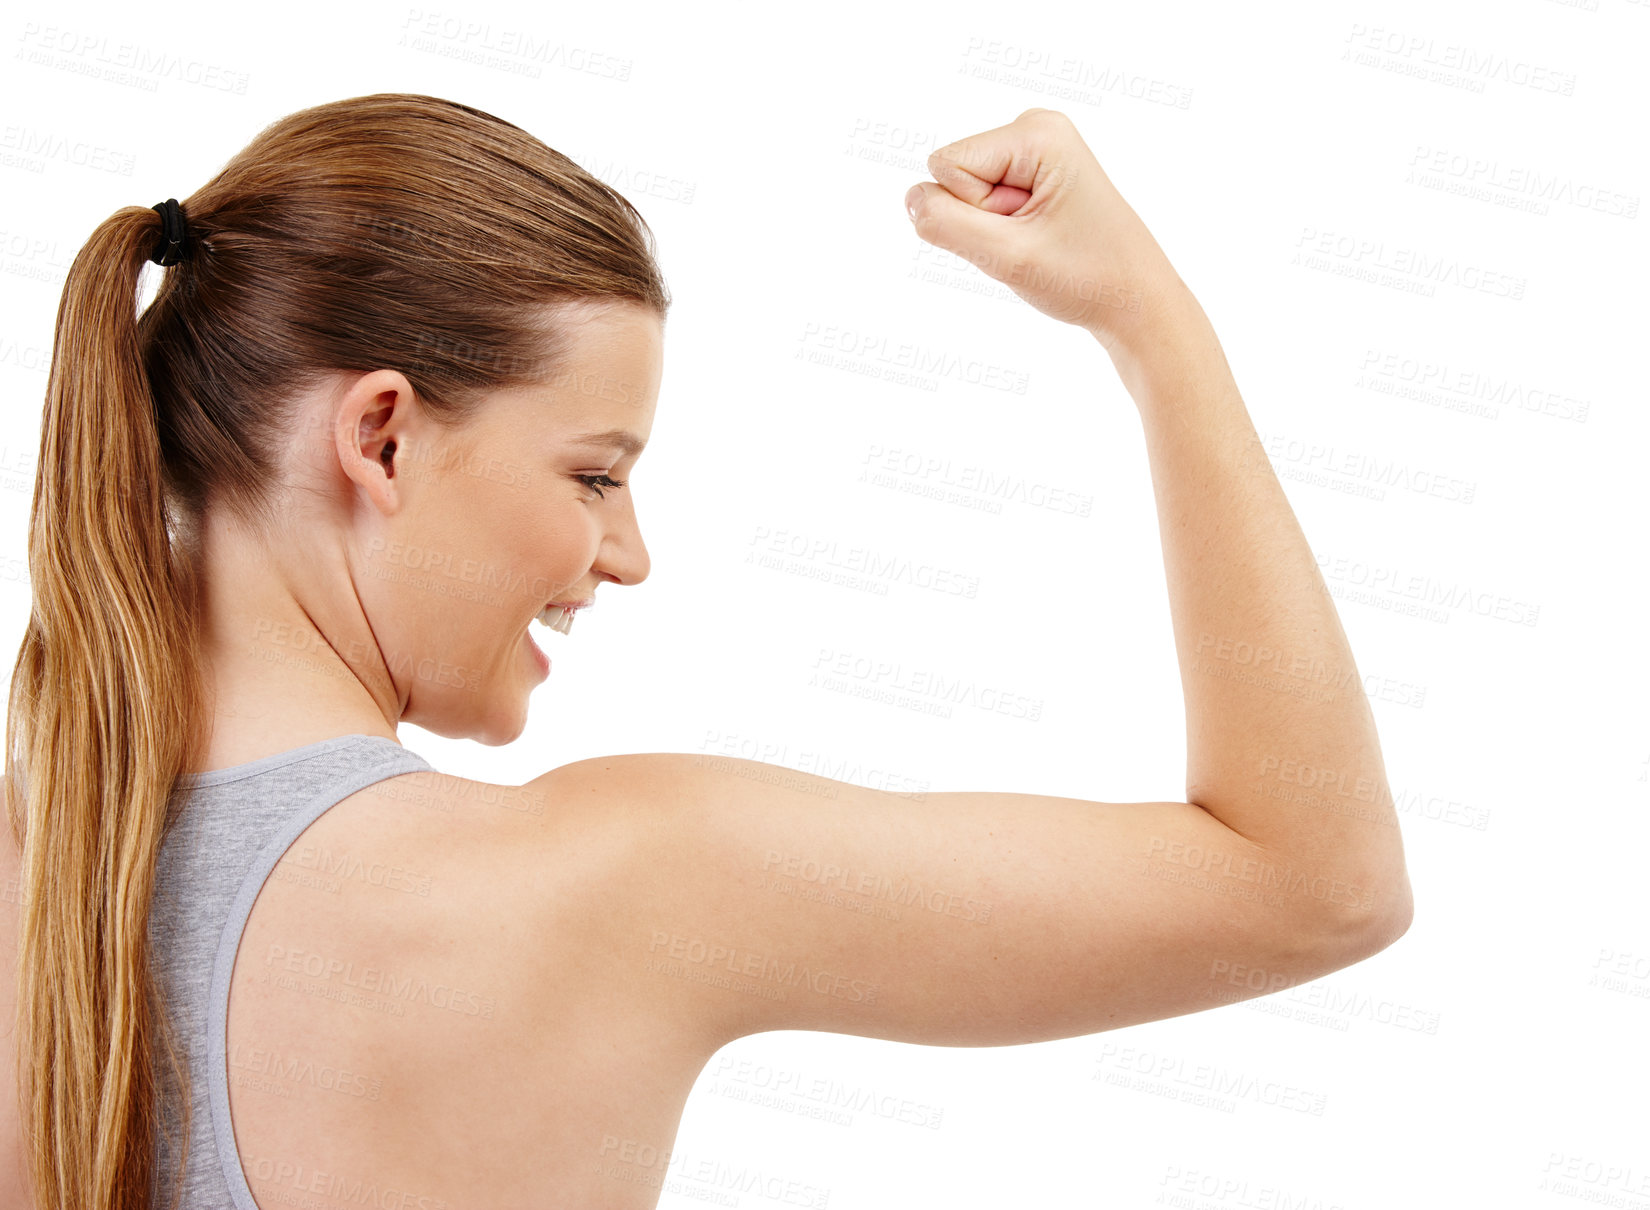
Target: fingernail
{"type": "Point", "coordinates": [913, 198]}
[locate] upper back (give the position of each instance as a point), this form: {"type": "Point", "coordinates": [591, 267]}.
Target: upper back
{"type": "Point", "coordinates": [233, 831]}
{"type": "Point", "coordinates": [419, 999]}
{"type": "Point", "coordinates": [385, 979]}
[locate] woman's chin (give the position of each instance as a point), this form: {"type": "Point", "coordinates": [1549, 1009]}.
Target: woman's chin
{"type": "Point", "coordinates": [494, 718]}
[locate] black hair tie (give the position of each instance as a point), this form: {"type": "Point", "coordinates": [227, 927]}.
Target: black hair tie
{"type": "Point", "coordinates": [170, 250]}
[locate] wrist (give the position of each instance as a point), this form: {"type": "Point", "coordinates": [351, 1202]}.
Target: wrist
{"type": "Point", "coordinates": [1171, 343]}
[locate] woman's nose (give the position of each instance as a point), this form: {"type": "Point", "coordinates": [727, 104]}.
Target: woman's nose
{"type": "Point", "coordinates": [624, 555]}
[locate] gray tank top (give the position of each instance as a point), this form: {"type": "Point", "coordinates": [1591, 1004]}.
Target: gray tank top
{"type": "Point", "coordinates": [235, 826]}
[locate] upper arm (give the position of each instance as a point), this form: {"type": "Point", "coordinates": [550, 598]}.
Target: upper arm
{"type": "Point", "coordinates": [752, 897]}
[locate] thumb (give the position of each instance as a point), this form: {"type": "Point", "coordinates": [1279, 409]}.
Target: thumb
{"type": "Point", "coordinates": [963, 228]}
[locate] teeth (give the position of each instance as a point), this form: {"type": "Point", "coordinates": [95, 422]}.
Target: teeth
{"type": "Point", "coordinates": [556, 618]}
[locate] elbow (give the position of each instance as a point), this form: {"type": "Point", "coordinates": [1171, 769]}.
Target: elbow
{"type": "Point", "coordinates": [1355, 937]}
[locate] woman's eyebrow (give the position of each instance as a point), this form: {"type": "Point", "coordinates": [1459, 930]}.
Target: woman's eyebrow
{"type": "Point", "coordinates": [624, 440]}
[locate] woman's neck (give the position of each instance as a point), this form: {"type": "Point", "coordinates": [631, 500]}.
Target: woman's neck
{"type": "Point", "coordinates": [286, 659]}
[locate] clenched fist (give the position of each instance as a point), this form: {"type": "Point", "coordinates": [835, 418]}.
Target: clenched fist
{"type": "Point", "coordinates": [1029, 205]}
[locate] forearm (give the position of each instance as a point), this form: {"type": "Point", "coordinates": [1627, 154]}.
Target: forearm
{"type": "Point", "coordinates": [1280, 740]}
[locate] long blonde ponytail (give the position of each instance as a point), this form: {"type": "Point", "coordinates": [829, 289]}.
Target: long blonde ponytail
{"type": "Point", "coordinates": [101, 720]}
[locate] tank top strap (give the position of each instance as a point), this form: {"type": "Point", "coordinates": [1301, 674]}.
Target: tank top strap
{"type": "Point", "coordinates": [231, 828]}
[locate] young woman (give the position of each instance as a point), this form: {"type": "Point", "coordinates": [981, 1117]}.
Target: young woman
{"type": "Point", "coordinates": [382, 414]}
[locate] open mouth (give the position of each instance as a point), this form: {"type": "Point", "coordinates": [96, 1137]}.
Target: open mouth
{"type": "Point", "coordinates": [559, 617]}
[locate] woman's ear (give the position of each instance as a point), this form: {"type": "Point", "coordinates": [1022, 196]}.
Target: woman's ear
{"type": "Point", "coordinates": [370, 424]}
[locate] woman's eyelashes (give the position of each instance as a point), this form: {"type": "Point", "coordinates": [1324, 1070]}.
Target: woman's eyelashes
{"type": "Point", "coordinates": [596, 482]}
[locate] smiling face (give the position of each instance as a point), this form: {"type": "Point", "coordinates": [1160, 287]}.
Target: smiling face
{"type": "Point", "coordinates": [529, 503]}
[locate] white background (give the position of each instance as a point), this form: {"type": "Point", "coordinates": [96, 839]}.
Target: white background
{"type": "Point", "coordinates": [1471, 421]}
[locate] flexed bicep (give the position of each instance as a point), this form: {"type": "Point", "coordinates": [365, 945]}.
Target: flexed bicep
{"type": "Point", "coordinates": [757, 898]}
